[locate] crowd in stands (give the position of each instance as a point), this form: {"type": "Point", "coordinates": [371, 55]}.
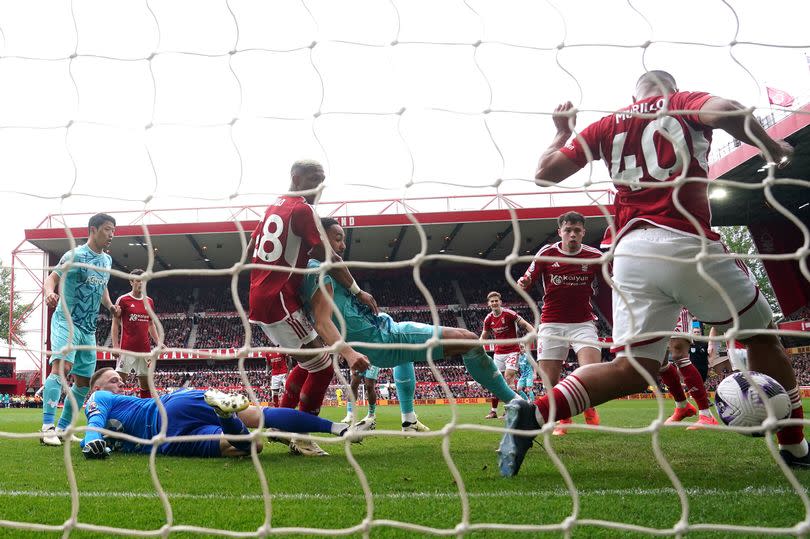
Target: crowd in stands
{"type": "Point", "coordinates": [801, 363]}
{"type": "Point", "coordinates": [227, 332]}
{"type": "Point", "coordinates": [400, 288]}
{"type": "Point", "coordinates": [176, 331]}
{"type": "Point", "coordinates": [477, 284]}
{"type": "Point", "coordinates": [20, 401]}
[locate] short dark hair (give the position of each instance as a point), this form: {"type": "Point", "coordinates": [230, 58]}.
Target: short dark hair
{"type": "Point", "coordinates": [656, 78]}
{"type": "Point", "coordinates": [303, 166]}
{"type": "Point", "coordinates": [98, 220]}
{"type": "Point", "coordinates": [494, 294]}
{"type": "Point", "coordinates": [137, 271]}
{"type": "Point", "coordinates": [97, 375]}
{"type": "Point", "coordinates": [328, 222]}
{"type": "Point", "coordinates": [573, 217]}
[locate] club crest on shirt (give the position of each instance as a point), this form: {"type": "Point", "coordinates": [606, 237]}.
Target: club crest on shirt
{"type": "Point", "coordinates": [584, 267]}
{"type": "Point", "coordinates": [91, 408]}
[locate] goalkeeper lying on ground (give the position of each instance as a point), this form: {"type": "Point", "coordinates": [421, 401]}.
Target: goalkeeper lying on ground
{"type": "Point", "coordinates": [189, 411]}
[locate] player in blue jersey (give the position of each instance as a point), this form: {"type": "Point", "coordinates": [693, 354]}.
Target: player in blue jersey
{"type": "Point", "coordinates": [364, 326]}
{"type": "Point", "coordinates": [75, 293]}
{"type": "Point", "coordinates": [188, 412]}
{"type": "Point", "coordinates": [525, 383]}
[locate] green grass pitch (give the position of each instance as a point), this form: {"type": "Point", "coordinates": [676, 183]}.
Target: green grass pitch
{"type": "Point", "coordinates": [729, 479]}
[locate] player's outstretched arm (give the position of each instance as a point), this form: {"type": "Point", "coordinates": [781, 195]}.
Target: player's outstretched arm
{"type": "Point", "coordinates": [343, 276]}
{"type": "Point", "coordinates": [554, 166]}
{"type": "Point", "coordinates": [715, 113]}
{"type": "Point", "coordinates": [326, 329]}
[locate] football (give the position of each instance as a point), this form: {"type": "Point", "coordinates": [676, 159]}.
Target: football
{"type": "Point", "coordinates": [740, 405]}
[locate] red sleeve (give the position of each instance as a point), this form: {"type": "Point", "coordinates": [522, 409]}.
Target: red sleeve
{"type": "Point", "coordinates": [535, 269]}
{"type": "Point", "coordinates": [118, 301]}
{"type": "Point", "coordinates": [303, 224]}
{"type": "Point", "coordinates": [690, 101]}
{"type": "Point", "coordinates": [487, 322]}
{"type": "Point", "coordinates": [258, 229]}
{"type": "Point", "coordinates": [576, 152]}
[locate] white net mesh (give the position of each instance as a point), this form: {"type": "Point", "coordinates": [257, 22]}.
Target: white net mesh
{"type": "Point", "coordinates": [216, 103]}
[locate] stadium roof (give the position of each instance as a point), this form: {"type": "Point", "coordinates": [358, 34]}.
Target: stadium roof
{"type": "Point", "coordinates": [378, 230]}
{"type": "Point", "coordinates": [743, 163]}
{"type": "Point", "coordinates": [467, 225]}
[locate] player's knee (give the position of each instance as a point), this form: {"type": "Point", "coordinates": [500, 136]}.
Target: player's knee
{"type": "Point", "coordinates": [633, 381]}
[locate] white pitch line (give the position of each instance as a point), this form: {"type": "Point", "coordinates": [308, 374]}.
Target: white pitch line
{"type": "Point", "coordinates": [554, 493]}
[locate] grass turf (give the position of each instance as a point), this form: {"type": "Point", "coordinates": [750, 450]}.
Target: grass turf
{"type": "Point", "coordinates": [729, 479]}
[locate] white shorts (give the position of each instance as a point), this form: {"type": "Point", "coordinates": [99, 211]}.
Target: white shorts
{"type": "Point", "coordinates": [127, 364]}
{"type": "Point", "coordinates": [738, 358]}
{"type": "Point", "coordinates": [293, 332]}
{"type": "Point", "coordinates": [507, 361]}
{"type": "Point", "coordinates": [277, 382]}
{"type": "Point", "coordinates": [554, 339]}
{"type": "Point", "coordinates": [648, 293]}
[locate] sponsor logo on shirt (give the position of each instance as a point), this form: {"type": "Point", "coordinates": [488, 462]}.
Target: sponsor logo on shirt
{"type": "Point", "coordinates": [569, 280]}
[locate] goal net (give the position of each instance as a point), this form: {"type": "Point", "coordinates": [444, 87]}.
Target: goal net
{"type": "Point", "coordinates": [138, 106]}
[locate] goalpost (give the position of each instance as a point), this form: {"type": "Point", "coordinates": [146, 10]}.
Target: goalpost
{"type": "Point", "coordinates": [256, 86]}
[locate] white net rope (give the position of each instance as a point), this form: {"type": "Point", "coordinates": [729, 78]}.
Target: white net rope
{"type": "Point", "coordinates": [315, 117]}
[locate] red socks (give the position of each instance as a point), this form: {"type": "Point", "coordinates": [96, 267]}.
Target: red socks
{"type": "Point", "coordinates": [495, 402]}
{"type": "Point", "coordinates": [793, 434]}
{"type": "Point", "coordinates": [694, 383]}
{"type": "Point", "coordinates": [672, 380]}
{"type": "Point", "coordinates": [292, 388]}
{"type": "Point", "coordinates": [570, 398]}
{"type": "Point", "coordinates": [314, 390]}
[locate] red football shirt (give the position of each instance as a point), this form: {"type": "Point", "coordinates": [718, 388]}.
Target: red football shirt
{"type": "Point", "coordinates": [503, 326]}
{"type": "Point", "coordinates": [283, 239]}
{"type": "Point", "coordinates": [634, 150]}
{"type": "Point", "coordinates": [135, 323]}
{"type": "Point", "coordinates": [278, 363]}
{"type": "Point", "coordinates": [567, 287]}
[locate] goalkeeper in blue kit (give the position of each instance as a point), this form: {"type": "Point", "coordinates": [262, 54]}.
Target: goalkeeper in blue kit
{"type": "Point", "coordinates": [189, 412]}
{"type": "Point", "coordinates": [362, 325]}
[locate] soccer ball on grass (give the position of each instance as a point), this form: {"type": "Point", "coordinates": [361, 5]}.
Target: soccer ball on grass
{"type": "Point", "coordinates": [740, 405]}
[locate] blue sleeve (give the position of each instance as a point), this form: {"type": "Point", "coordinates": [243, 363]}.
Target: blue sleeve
{"type": "Point", "coordinates": [60, 267]}
{"type": "Point", "coordinates": [96, 410]}
{"type": "Point", "coordinates": [310, 282]}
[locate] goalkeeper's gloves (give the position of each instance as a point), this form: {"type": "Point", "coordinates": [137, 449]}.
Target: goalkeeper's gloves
{"type": "Point", "coordinates": [96, 449]}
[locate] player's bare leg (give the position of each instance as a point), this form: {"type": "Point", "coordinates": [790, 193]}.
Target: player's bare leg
{"type": "Point", "coordinates": [767, 355]}
{"type": "Point", "coordinates": [590, 356]}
